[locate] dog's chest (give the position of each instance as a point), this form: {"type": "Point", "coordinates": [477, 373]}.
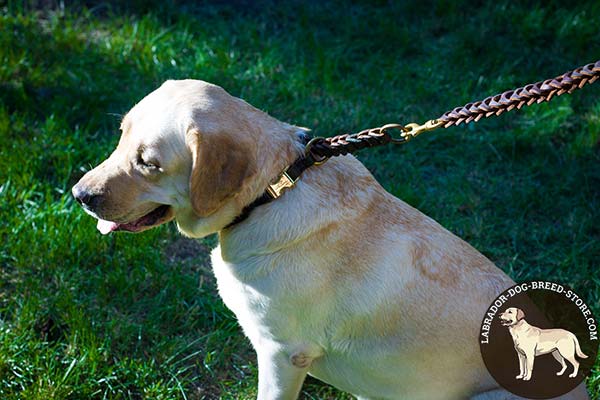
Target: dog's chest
{"type": "Point", "coordinates": [520, 337]}
{"type": "Point", "coordinates": [269, 301]}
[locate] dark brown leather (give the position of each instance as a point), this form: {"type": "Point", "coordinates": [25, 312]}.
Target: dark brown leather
{"type": "Point", "coordinates": [349, 143]}
{"type": "Point", "coordinates": [517, 98]}
{"type": "Point", "coordinates": [493, 105]}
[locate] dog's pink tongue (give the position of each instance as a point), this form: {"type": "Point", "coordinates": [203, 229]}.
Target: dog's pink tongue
{"type": "Point", "coordinates": [106, 227]}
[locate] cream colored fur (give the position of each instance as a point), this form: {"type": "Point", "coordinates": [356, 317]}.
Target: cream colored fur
{"type": "Point", "coordinates": [531, 341]}
{"type": "Point", "coordinates": [337, 278]}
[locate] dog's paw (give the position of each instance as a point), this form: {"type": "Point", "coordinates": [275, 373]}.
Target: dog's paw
{"type": "Point", "coordinates": [526, 378]}
{"type": "Point", "coordinates": [573, 375]}
{"type": "Point", "coordinates": [300, 360]}
{"type": "Point", "coordinates": [519, 377]}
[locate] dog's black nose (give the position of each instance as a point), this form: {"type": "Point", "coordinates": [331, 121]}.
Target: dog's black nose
{"type": "Point", "coordinates": [85, 197]}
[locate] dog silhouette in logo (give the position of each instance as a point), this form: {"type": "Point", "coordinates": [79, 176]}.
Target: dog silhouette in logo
{"type": "Point", "coordinates": [531, 341]}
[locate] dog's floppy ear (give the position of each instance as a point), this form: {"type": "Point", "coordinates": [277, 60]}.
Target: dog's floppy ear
{"type": "Point", "coordinates": [520, 314]}
{"type": "Point", "coordinates": [220, 166]}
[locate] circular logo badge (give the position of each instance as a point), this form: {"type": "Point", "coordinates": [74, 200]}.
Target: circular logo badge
{"type": "Point", "coordinates": [539, 339]}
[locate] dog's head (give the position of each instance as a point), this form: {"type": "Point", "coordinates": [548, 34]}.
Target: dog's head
{"type": "Point", "coordinates": [188, 151]}
{"type": "Point", "coordinates": [511, 316]}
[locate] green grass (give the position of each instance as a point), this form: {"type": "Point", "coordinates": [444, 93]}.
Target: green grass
{"type": "Point", "coordinates": [138, 316]}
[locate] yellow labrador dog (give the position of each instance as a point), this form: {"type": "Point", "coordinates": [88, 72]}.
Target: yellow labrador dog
{"type": "Point", "coordinates": [337, 278]}
{"type": "Point", "coordinates": [531, 341]}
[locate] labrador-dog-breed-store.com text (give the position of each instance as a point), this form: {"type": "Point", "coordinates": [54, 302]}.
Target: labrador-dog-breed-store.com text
{"type": "Point", "coordinates": [336, 278]}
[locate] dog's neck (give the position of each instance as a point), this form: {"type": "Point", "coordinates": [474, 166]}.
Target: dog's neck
{"type": "Point", "coordinates": [292, 173]}
{"type": "Point", "coordinates": [332, 193]}
{"type": "Point", "coordinates": [518, 326]}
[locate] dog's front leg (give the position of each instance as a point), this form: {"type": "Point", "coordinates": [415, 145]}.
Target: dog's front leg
{"type": "Point", "coordinates": [521, 365]}
{"type": "Point", "coordinates": [529, 360]}
{"type": "Point", "coordinates": [278, 377]}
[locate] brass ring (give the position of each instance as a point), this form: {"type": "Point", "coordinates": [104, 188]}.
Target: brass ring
{"type": "Point", "coordinates": [318, 161]}
{"type": "Point", "coordinates": [403, 136]}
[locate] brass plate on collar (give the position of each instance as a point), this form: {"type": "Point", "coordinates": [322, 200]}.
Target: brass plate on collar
{"type": "Point", "coordinates": [284, 182]}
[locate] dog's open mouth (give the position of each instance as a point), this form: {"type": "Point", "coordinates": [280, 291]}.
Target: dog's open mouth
{"type": "Point", "coordinates": [505, 322]}
{"type": "Point", "coordinates": [159, 215]}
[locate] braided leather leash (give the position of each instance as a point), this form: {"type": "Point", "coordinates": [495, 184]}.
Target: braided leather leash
{"type": "Point", "coordinates": [323, 148]}
{"type": "Point", "coordinates": [318, 150]}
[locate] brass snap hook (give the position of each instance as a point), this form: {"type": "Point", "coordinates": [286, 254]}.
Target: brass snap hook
{"type": "Point", "coordinates": [413, 129]}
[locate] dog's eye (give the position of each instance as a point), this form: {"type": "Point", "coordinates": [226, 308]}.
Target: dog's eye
{"type": "Point", "coordinates": [147, 164]}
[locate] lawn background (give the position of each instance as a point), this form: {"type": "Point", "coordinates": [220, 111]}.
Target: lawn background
{"type": "Point", "coordinates": [137, 316]}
